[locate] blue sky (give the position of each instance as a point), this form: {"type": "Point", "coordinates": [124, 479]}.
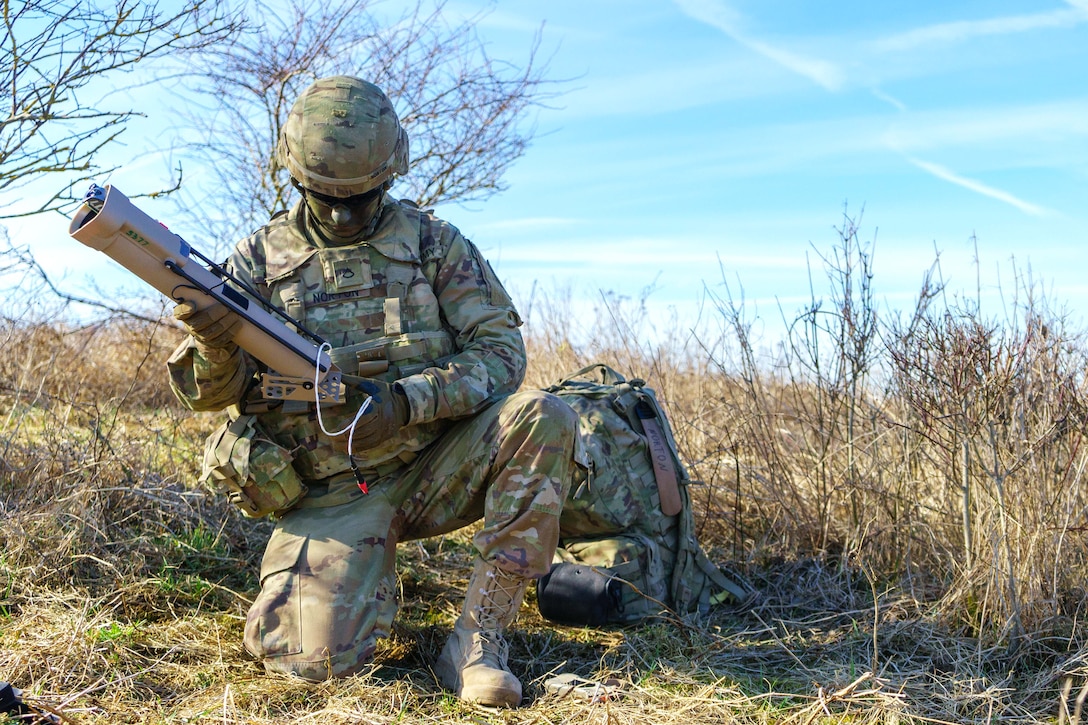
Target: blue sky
{"type": "Point", "coordinates": [711, 138]}
{"type": "Point", "coordinates": [708, 139]}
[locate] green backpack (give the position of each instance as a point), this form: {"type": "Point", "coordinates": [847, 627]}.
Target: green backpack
{"type": "Point", "coordinates": [627, 546]}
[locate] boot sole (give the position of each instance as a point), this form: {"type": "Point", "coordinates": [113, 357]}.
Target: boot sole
{"type": "Point", "coordinates": [450, 678]}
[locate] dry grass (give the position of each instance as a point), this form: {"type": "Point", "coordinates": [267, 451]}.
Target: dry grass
{"type": "Point", "coordinates": [907, 497]}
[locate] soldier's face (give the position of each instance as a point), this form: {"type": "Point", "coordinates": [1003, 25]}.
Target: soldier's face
{"type": "Point", "coordinates": [344, 218]}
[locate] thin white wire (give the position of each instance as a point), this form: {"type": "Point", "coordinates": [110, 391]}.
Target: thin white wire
{"type": "Point", "coordinates": [350, 427]}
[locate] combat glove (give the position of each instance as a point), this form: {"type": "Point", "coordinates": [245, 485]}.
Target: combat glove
{"type": "Point", "coordinates": [213, 326]}
{"type": "Point", "coordinates": [388, 413]}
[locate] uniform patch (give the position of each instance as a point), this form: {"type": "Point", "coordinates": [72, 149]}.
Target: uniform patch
{"type": "Point", "coordinates": [345, 273]}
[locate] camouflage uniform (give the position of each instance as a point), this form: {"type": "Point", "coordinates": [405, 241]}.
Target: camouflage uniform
{"type": "Point", "coordinates": [416, 303]}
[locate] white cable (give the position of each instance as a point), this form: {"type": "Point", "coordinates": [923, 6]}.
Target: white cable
{"type": "Point", "coordinates": [350, 427]}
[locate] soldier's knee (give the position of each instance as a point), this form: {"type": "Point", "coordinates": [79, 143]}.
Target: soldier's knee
{"type": "Point", "coordinates": [555, 409]}
{"type": "Point", "coordinates": [543, 409]}
{"type": "Point", "coordinates": [331, 633]}
{"type": "Point", "coordinates": [344, 663]}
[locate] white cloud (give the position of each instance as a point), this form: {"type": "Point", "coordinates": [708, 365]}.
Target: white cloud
{"type": "Point", "coordinates": [962, 30]}
{"type": "Point", "coordinates": [889, 99]}
{"type": "Point", "coordinates": [978, 187]}
{"type": "Point", "coordinates": [823, 73]}
{"type": "Point", "coordinates": [663, 89]}
{"type": "Point", "coordinates": [719, 15]}
{"type": "Point", "coordinates": [624, 253]}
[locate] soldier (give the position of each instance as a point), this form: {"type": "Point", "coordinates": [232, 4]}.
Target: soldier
{"type": "Point", "coordinates": [419, 322]}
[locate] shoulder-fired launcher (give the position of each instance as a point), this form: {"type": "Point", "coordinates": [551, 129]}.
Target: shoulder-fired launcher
{"type": "Point", "coordinates": [108, 222]}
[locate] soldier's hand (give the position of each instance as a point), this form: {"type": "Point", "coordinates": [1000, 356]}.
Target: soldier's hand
{"type": "Point", "coordinates": [212, 326]}
{"type": "Point", "coordinates": [388, 413]}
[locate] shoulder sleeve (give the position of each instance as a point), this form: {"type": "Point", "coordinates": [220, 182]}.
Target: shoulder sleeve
{"type": "Point", "coordinates": [212, 379]}
{"type": "Point", "coordinates": [208, 379]}
{"type": "Point", "coordinates": [490, 362]}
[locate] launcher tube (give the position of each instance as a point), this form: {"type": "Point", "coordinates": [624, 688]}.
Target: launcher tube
{"type": "Point", "coordinates": [156, 255]}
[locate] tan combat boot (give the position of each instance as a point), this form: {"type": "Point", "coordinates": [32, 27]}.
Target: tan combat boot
{"type": "Point", "coordinates": [473, 662]}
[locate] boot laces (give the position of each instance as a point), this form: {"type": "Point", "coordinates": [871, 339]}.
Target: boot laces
{"type": "Point", "coordinates": [493, 614]}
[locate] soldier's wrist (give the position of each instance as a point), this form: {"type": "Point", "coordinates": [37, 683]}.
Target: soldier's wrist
{"type": "Point", "coordinates": [401, 404]}
{"type": "Point", "coordinates": [420, 396]}
{"type": "Point", "coordinates": [218, 355]}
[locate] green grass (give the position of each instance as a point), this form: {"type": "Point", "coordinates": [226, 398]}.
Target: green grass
{"type": "Point", "coordinates": [115, 632]}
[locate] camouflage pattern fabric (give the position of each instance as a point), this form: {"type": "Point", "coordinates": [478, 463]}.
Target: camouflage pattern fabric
{"type": "Point", "coordinates": [325, 130]}
{"type": "Point", "coordinates": [328, 583]}
{"type": "Point", "coordinates": [613, 517]}
{"type": "Point", "coordinates": [414, 303]}
{"type": "Point", "coordinates": [252, 471]}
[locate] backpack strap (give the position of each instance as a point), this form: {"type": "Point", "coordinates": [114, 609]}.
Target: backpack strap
{"type": "Point", "coordinates": [605, 375]}
{"type": "Point", "coordinates": [690, 559]}
{"type": "Point", "coordinates": [668, 488]}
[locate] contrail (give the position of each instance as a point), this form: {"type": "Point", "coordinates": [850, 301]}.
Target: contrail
{"type": "Point", "coordinates": [978, 187]}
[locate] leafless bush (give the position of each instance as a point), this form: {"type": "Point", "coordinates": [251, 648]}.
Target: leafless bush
{"type": "Point", "coordinates": [53, 56]}
{"type": "Point", "coordinates": [997, 409]}
{"type": "Point", "coordinates": [466, 113]}
{"type": "Point", "coordinates": [97, 460]}
{"type": "Point", "coordinates": [946, 447]}
{"type": "Point", "coordinates": [805, 428]}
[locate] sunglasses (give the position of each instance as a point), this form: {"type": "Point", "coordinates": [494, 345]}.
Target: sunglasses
{"type": "Point", "coordinates": [354, 201]}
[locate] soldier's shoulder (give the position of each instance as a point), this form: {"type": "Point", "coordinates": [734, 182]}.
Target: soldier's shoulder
{"type": "Point", "coordinates": [275, 239]}
{"type": "Point", "coordinates": [280, 223]}
{"type": "Point", "coordinates": [435, 234]}
{"type": "Point", "coordinates": [283, 221]}
{"type": "Point", "coordinates": [426, 215]}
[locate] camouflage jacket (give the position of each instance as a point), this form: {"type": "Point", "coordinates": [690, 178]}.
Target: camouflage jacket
{"type": "Point", "coordinates": [415, 302]}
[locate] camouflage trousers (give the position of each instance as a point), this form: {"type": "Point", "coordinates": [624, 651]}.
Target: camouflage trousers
{"type": "Point", "coordinates": [328, 578]}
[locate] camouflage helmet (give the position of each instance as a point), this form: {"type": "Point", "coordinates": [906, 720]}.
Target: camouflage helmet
{"type": "Point", "coordinates": [342, 138]}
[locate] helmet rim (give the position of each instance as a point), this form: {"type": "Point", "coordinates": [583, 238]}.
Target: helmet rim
{"type": "Point", "coordinates": [338, 126]}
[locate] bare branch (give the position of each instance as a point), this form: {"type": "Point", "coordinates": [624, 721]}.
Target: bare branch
{"type": "Point", "coordinates": [54, 54]}
{"type": "Point", "coordinates": [19, 259]}
{"type": "Point", "coordinates": [467, 114]}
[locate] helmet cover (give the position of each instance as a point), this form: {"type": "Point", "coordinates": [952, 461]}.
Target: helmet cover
{"type": "Point", "coordinates": [343, 138]}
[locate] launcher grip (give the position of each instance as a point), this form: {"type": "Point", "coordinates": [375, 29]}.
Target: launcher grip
{"type": "Point", "coordinates": [111, 224]}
